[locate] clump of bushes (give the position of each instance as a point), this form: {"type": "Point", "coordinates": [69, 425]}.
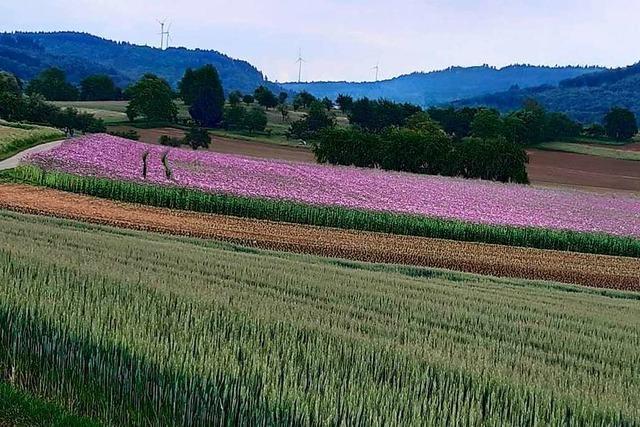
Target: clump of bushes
{"type": "Point", "coordinates": [195, 138]}
{"type": "Point", "coordinates": [239, 118]}
{"type": "Point", "coordinates": [169, 141]}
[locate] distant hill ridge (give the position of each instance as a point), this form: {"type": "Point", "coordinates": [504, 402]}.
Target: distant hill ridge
{"type": "Point", "coordinates": [450, 84]}
{"type": "Point", "coordinates": [586, 98]}
{"type": "Point", "coordinates": [80, 54]}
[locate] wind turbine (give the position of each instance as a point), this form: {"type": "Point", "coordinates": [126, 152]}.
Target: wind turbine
{"type": "Point", "coordinates": [299, 61]}
{"type": "Point", "coordinates": [377, 68]}
{"type": "Point", "coordinates": [162, 32]}
{"type": "Point", "coordinates": [168, 35]}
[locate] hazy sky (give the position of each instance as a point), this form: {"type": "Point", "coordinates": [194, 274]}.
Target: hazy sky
{"type": "Point", "coordinates": [344, 39]}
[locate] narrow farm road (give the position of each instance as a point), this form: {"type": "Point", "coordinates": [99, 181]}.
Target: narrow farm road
{"type": "Point", "coordinates": [495, 260]}
{"type": "Point", "coordinates": [12, 162]}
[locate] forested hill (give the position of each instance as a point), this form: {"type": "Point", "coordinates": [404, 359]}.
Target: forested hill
{"type": "Point", "coordinates": [80, 55]}
{"type": "Point", "coordinates": [444, 86]}
{"type": "Point", "coordinates": [586, 98]}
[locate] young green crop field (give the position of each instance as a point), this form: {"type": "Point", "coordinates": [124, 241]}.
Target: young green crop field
{"type": "Point", "coordinates": [591, 150]}
{"type": "Point", "coordinates": [15, 137]}
{"type": "Point", "coordinates": [132, 328]}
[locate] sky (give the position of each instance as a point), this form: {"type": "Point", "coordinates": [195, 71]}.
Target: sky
{"type": "Point", "coordinates": [345, 39]}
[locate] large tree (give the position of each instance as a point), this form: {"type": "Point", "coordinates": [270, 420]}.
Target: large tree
{"type": "Point", "coordinates": [487, 124]}
{"type": "Point", "coordinates": [99, 87]}
{"type": "Point", "coordinates": [265, 97]}
{"type": "Point", "coordinates": [152, 98]}
{"type": "Point", "coordinates": [52, 84]}
{"type": "Point", "coordinates": [620, 124]}
{"type": "Point", "coordinates": [202, 90]}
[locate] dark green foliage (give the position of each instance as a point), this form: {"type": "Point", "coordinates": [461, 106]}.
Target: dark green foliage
{"type": "Point", "coordinates": [127, 134]}
{"type": "Point", "coordinates": [344, 102]}
{"type": "Point", "coordinates": [347, 147]}
{"type": "Point", "coordinates": [586, 98]}
{"type": "Point", "coordinates": [493, 159]}
{"type": "Point", "coordinates": [303, 100]}
{"type": "Point", "coordinates": [378, 115]}
{"type": "Point", "coordinates": [316, 120]}
{"type": "Point", "coordinates": [207, 110]}
{"type": "Point", "coordinates": [194, 82]}
{"type": "Point", "coordinates": [152, 98]}
{"type": "Point", "coordinates": [235, 97]}
{"type": "Point", "coordinates": [182, 198]}
{"type": "Point", "coordinates": [595, 130]}
{"type": "Point", "coordinates": [620, 124]}
{"type": "Point", "coordinates": [255, 120]}
{"type": "Point", "coordinates": [487, 123]}
{"type": "Point", "coordinates": [328, 104]}
{"type": "Point", "coordinates": [265, 97]}
{"type": "Point", "coordinates": [282, 97]}
{"type": "Point", "coordinates": [99, 87]}
{"type": "Point", "coordinates": [455, 122]}
{"type": "Point", "coordinates": [81, 55]}
{"type": "Point", "coordinates": [233, 117]}
{"type": "Point", "coordinates": [52, 84]}
{"type": "Point", "coordinates": [197, 137]}
{"type": "Point", "coordinates": [10, 84]}
{"type": "Point", "coordinates": [248, 99]}
{"type": "Point", "coordinates": [168, 141]}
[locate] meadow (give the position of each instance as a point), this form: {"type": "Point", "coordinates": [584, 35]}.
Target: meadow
{"type": "Point", "coordinates": [590, 150]}
{"type": "Point", "coordinates": [176, 331]}
{"type": "Point", "coordinates": [15, 137]}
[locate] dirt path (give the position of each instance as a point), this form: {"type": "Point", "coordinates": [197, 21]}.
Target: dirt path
{"type": "Point", "coordinates": [591, 270]}
{"type": "Point", "coordinates": [12, 162]}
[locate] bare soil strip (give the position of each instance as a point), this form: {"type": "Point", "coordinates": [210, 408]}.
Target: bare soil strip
{"type": "Point", "coordinates": [496, 260]}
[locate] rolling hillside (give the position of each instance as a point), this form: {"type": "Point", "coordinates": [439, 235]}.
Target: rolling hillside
{"type": "Point", "coordinates": [586, 98]}
{"type": "Point", "coordinates": [79, 54]}
{"type": "Point", "coordinates": [444, 86]}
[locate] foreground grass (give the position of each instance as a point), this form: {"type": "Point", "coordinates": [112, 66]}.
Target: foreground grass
{"type": "Point", "coordinates": [15, 137]}
{"type": "Point", "coordinates": [140, 329]}
{"type": "Point", "coordinates": [18, 408]}
{"type": "Point", "coordinates": [590, 150]}
{"type": "Point", "coordinates": [339, 217]}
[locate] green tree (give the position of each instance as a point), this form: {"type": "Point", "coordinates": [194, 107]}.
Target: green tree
{"type": "Point", "coordinates": [235, 97]}
{"type": "Point", "coordinates": [487, 124]}
{"type": "Point", "coordinates": [620, 124]}
{"type": "Point", "coordinates": [282, 97]}
{"type": "Point", "coordinates": [233, 118]}
{"type": "Point", "coordinates": [195, 81]}
{"type": "Point", "coordinates": [494, 159]}
{"type": "Point", "coordinates": [197, 137]}
{"type": "Point", "coordinates": [317, 119]}
{"type": "Point", "coordinates": [99, 87]}
{"type": "Point", "coordinates": [11, 101]}
{"type": "Point", "coordinates": [328, 104]}
{"type": "Point", "coordinates": [303, 100]}
{"type": "Point", "coordinates": [255, 120]}
{"type": "Point", "coordinates": [10, 84]}
{"type": "Point", "coordinates": [208, 108]}
{"type": "Point", "coordinates": [419, 151]}
{"type": "Point", "coordinates": [265, 97]}
{"type": "Point", "coordinates": [284, 111]}
{"type": "Point", "coordinates": [248, 99]}
{"type": "Point", "coordinates": [152, 98]}
{"type": "Point", "coordinates": [52, 84]}
{"type": "Point", "coordinates": [345, 102]}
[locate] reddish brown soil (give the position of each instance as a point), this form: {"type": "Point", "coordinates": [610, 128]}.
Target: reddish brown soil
{"type": "Point", "coordinates": [496, 260]}
{"type": "Point", "coordinates": [579, 170]}
{"type": "Point", "coordinates": [231, 146]}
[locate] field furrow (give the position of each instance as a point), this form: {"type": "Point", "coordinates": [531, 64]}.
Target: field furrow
{"type": "Point", "coordinates": [506, 261]}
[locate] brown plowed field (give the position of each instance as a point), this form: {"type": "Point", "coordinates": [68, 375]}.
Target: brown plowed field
{"type": "Point", "coordinates": [231, 146]}
{"type": "Point", "coordinates": [591, 270]}
{"type": "Point", "coordinates": [579, 170]}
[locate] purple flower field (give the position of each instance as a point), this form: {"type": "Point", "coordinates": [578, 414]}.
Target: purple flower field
{"type": "Point", "coordinates": [451, 198]}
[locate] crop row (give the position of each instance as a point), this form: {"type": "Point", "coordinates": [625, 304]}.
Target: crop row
{"type": "Point", "coordinates": [158, 331]}
{"type": "Point", "coordinates": [330, 216]}
{"type": "Point", "coordinates": [497, 260]}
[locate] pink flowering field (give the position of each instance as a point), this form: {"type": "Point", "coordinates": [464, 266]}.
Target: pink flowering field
{"type": "Point", "coordinates": [472, 201]}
